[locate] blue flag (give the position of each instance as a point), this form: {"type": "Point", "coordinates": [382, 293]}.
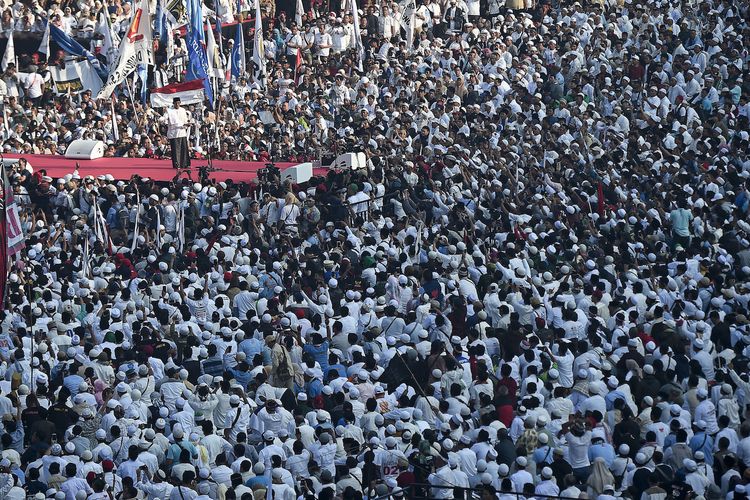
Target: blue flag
{"type": "Point", "coordinates": [238, 53]}
{"type": "Point", "coordinates": [198, 64]}
{"type": "Point", "coordinates": [160, 27]}
{"type": "Point", "coordinates": [142, 72]}
{"type": "Point", "coordinates": [72, 47]}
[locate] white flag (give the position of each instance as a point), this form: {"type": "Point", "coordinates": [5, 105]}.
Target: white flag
{"type": "Point", "coordinates": [10, 53]}
{"type": "Point", "coordinates": [358, 37]}
{"type": "Point", "coordinates": [110, 40]}
{"type": "Point", "coordinates": [136, 48]}
{"type": "Point", "coordinates": [210, 48]}
{"type": "Point", "coordinates": [408, 11]}
{"type": "Point", "coordinates": [44, 46]}
{"type": "Point", "coordinates": [213, 55]}
{"type": "Point", "coordinates": [259, 58]}
{"type": "Point", "coordinates": [298, 11]}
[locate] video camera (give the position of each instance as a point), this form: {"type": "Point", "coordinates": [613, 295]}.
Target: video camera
{"type": "Point", "coordinates": [269, 174]}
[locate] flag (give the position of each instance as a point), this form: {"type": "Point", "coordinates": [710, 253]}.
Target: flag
{"type": "Point", "coordinates": [298, 11]}
{"type": "Point", "coordinates": [11, 236]}
{"type": "Point", "coordinates": [238, 53]}
{"type": "Point", "coordinates": [197, 64]}
{"type": "Point", "coordinates": [67, 44]}
{"type": "Point", "coordinates": [222, 62]}
{"type": "Point", "coordinates": [190, 92]}
{"type": "Point", "coordinates": [358, 37]}
{"type": "Point", "coordinates": [10, 53]}
{"type": "Point", "coordinates": [44, 46]}
{"type": "Point", "coordinates": [160, 24]}
{"type": "Point", "coordinates": [213, 54]}
{"type": "Point", "coordinates": [136, 48]}
{"type": "Point", "coordinates": [176, 12]}
{"type": "Point", "coordinates": [259, 57]}
{"type": "Point", "coordinates": [210, 49]}
{"type": "Point", "coordinates": [142, 73]}
{"type": "Point", "coordinates": [297, 64]}
{"type": "Point", "coordinates": [110, 39]}
{"type": "Point", "coordinates": [408, 11]}
{"type": "Point", "coordinates": [75, 77]}
{"type": "Point", "coordinates": [170, 39]}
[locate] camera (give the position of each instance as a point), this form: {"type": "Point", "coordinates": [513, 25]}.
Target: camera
{"type": "Point", "coordinates": [270, 173]}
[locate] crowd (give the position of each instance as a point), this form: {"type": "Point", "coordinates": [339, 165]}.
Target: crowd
{"type": "Point", "coordinates": [538, 286]}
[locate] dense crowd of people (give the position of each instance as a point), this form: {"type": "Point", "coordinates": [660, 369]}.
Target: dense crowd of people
{"type": "Point", "coordinates": [537, 287]}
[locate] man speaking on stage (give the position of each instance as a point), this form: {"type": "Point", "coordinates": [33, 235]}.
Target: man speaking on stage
{"type": "Point", "coordinates": [178, 122]}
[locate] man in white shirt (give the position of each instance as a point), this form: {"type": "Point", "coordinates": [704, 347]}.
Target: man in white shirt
{"type": "Point", "coordinates": [32, 85]}
{"type": "Point", "coordinates": [178, 121]}
{"type": "Point", "coordinates": [293, 43]}
{"type": "Point", "coordinates": [323, 41]}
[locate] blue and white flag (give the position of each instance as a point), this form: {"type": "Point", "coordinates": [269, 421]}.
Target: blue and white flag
{"type": "Point", "coordinates": [67, 44]}
{"type": "Point", "coordinates": [197, 62]}
{"type": "Point", "coordinates": [238, 53]}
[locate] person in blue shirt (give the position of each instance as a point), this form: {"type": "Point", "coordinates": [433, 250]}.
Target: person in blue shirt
{"type": "Point", "coordinates": [600, 448]}
{"type": "Point", "coordinates": [318, 348]}
{"type": "Point", "coordinates": [334, 364]}
{"type": "Point", "coordinates": [73, 381]}
{"type": "Point", "coordinates": [313, 384]}
{"type": "Point", "coordinates": [544, 453]}
{"type": "Point", "coordinates": [251, 346]}
{"type": "Point", "coordinates": [261, 478]}
{"type": "Point", "coordinates": [702, 441]}
{"type": "Point", "coordinates": [181, 444]}
{"type": "Point", "coordinates": [241, 371]}
{"type": "Point", "coordinates": [611, 396]}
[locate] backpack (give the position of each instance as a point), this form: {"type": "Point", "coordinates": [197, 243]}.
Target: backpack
{"type": "Point", "coordinates": [284, 371]}
{"type": "Point", "coordinates": [123, 217]}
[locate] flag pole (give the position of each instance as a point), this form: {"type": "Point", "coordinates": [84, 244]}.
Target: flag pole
{"type": "Point", "coordinates": [4, 232]}
{"type": "Point", "coordinates": [115, 131]}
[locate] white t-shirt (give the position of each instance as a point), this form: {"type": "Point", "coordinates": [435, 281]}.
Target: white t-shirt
{"type": "Point", "coordinates": [32, 84]}
{"type": "Point", "coordinates": [565, 368]}
{"type": "Point", "coordinates": [324, 39]}
{"type": "Point", "coordinates": [579, 449]}
{"type": "Point", "coordinates": [295, 40]}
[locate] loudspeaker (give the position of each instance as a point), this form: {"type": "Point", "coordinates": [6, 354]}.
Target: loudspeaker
{"type": "Point", "coordinates": [85, 150]}
{"type": "Point", "coordinates": [351, 161]}
{"type": "Point", "coordinates": [298, 173]}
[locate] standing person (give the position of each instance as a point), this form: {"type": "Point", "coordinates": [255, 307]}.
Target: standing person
{"type": "Point", "coordinates": [33, 85]}
{"type": "Point", "coordinates": [178, 121]}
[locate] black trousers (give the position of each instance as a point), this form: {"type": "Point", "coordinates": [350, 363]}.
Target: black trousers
{"type": "Point", "coordinates": [180, 152]}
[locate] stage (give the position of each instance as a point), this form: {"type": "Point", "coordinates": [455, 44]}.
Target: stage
{"type": "Point", "coordinates": [160, 170]}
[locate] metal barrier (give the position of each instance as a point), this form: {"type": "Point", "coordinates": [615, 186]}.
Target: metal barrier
{"type": "Point", "coordinates": [422, 491]}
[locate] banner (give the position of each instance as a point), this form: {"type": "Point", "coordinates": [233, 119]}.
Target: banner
{"type": "Point", "coordinates": [11, 235]}
{"type": "Point", "coordinates": [197, 68]}
{"type": "Point", "coordinates": [408, 11]}
{"type": "Point", "coordinates": [189, 93]}
{"type": "Point", "coordinates": [9, 56]}
{"type": "Point", "coordinates": [136, 48]}
{"type": "Point", "coordinates": [75, 77]}
{"type": "Point", "coordinates": [259, 56]}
